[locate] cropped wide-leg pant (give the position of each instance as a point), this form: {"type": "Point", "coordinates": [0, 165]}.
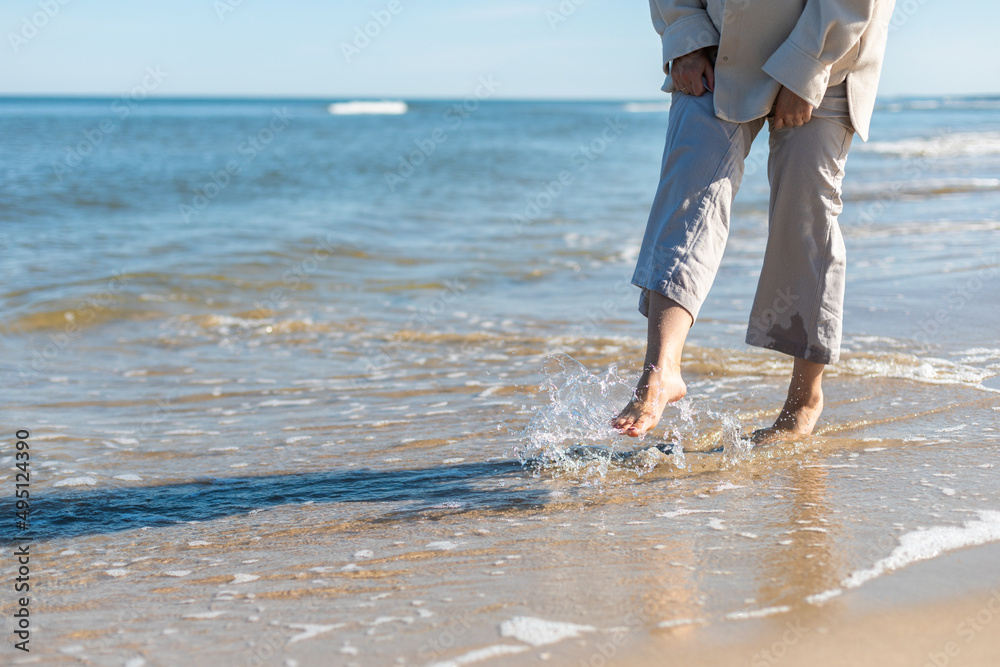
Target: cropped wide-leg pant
{"type": "Point", "coordinates": [798, 306]}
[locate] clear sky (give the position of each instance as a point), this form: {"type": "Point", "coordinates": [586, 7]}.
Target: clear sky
{"type": "Point", "coordinates": [426, 48]}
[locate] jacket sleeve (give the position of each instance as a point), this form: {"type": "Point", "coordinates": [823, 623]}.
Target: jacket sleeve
{"type": "Point", "coordinates": [684, 26]}
{"type": "Point", "coordinates": [826, 32]}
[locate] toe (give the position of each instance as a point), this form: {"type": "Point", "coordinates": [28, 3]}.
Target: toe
{"type": "Point", "coordinates": [622, 421]}
{"type": "Point", "coordinates": [641, 426]}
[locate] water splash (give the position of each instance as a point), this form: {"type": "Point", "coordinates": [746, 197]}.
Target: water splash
{"type": "Point", "coordinates": [736, 447]}
{"type": "Point", "coordinates": [702, 426]}
{"type": "Point", "coordinates": [573, 432]}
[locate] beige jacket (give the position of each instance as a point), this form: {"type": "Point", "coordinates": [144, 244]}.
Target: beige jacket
{"type": "Point", "coordinates": [804, 45]}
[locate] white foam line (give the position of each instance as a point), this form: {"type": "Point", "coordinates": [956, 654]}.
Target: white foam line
{"type": "Point", "coordinates": [678, 622]}
{"type": "Point", "coordinates": [77, 481]}
{"type": "Point", "coordinates": [756, 613]}
{"type": "Point", "coordinates": [539, 632]}
{"type": "Point", "coordinates": [682, 512]}
{"type": "Point", "coordinates": [441, 546]}
{"type": "Point", "coordinates": [930, 543]}
{"type": "Point", "coordinates": [726, 486]}
{"type": "Point", "coordinates": [820, 598]}
{"type": "Point", "coordinates": [276, 403]}
{"type": "Point", "coordinates": [310, 631]}
{"type": "Point", "coordinates": [481, 654]}
{"type": "Point", "coordinates": [716, 524]}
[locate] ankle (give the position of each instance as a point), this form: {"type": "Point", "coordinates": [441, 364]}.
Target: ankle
{"type": "Point", "coordinates": [811, 397]}
{"type": "Point", "coordinates": [662, 367]}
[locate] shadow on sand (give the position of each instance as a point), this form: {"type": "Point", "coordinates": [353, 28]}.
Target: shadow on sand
{"type": "Point", "coordinates": [56, 514]}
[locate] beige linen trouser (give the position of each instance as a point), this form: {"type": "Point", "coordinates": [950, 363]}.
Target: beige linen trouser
{"type": "Point", "coordinates": [798, 306]}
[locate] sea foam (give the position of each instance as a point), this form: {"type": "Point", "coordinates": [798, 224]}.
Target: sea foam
{"type": "Point", "coordinates": [383, 108]}
{"type": "Point", "coordinates": [930, 543]}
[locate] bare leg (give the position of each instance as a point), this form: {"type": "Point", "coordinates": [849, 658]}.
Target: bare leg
{"type": "Point", "coordinates": [803, 405]}
{"type": "Point", "coordinates": [661, 381]}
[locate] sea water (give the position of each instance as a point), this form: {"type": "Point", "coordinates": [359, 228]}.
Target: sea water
{"type": "Point", "coordinates": [301, 381]}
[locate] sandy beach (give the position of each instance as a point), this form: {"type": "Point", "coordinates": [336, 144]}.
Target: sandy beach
{"type": "Point", "coordinates": [327, 421]}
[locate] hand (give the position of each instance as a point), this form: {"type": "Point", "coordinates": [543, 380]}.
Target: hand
{"type": "Point", "coordinates": [790, 110]}
{"type": "Point", "coordinates": [688, 71]}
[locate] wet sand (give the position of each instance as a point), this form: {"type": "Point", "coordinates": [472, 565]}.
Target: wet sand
{"type": "Point", "coordinates": [330, 423]}
{"type": "Point", "coordinates": [942, 612]}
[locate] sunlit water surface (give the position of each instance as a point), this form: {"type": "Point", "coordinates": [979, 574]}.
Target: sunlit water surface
{"type": "Point", "coordinates": [357, 407]}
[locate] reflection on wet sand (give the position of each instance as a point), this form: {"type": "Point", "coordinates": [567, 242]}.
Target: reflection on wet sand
{"type": "Point", "coordinates": [805, 562]}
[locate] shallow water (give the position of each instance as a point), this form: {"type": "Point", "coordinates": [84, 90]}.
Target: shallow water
{"type": "Point", "coordinates": [326, 416]}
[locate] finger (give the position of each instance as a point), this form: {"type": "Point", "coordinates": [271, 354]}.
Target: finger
{"type": "Point", "coordinates": [697, 86]}
{"type": "Point", "coordinates": [710, 77]}
{"type": "Point", "coordinates": [675, 77]}
{"type": "Point", "coordinates": [686, 86]}
{"type": "Point", "coordinates": [779, 122]}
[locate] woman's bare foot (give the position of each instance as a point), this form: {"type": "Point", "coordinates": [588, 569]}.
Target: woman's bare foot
{"type": "Point", "coordinates": [661, 382]}
{"type": "Point", "coordinates": [655, 390]}
{"type": "Point", "coordinates": [798, 417]}
{"type": "Point", "coordinates": [803, 405]}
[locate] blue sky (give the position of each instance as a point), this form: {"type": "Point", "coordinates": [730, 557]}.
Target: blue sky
{"type": "Point", "coordinates": [429, 48]}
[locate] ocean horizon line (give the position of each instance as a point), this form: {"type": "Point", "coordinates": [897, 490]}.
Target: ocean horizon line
{"type": "Point", "coordinates": [16, 97]}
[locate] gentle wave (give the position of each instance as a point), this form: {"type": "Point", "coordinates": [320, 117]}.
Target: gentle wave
{"type": "Point", "coordinates": [952, 104]}
{"type": "Point", "coordinates": [922, 188]}
{"type": "Point", "coordinates": [603, 350]}
{"type": "Point", "coordinates": [909, 367]}
{"type": "Point", "coordinates": [356, 108]}
{"type": "Point", "coordinates": [880, 228]}
{"type": "Point", "coordinates": [930, 543]}
{"type": "Point", "coordinates": [71, 321]}
{"type": "Point", "coordinates": [953, 144]}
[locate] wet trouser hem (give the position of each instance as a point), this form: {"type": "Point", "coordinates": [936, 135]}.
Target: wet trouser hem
{"type": "Point", "coordinates": [797, 350]}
